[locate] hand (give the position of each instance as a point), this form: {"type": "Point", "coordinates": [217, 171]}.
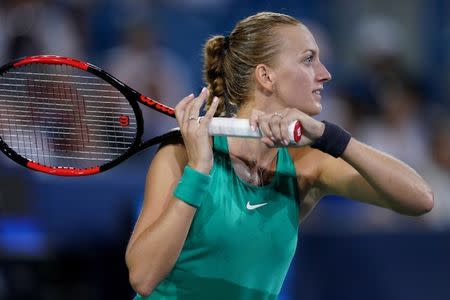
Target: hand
{"type": "Point", "coordinates": [274, 126]}
{"type": "Point", "coordinates": [194, 130]}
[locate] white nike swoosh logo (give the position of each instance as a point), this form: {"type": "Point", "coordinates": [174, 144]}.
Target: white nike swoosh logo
{"type": "Point", "coordinates": [251, 207]}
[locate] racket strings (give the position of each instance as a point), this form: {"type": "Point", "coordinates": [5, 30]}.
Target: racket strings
{"type": "Point", "coordinates": [60, 116]}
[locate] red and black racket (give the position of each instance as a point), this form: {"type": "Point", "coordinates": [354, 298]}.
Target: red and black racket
{"type": "Point", "coordinates": [66, 117]}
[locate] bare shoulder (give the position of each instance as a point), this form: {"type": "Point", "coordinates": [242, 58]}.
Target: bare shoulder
{"type": "Point", "coordinates": [170, 155]}
{"type": "Point", "coordinates": [164, 173]}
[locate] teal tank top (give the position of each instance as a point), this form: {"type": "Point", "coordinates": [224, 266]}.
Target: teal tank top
{"type": "Point", "coordinates": [242, 239]}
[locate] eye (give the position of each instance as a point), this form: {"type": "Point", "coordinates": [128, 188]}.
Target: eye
{"type": "Point", "coordinates": [308, 60]}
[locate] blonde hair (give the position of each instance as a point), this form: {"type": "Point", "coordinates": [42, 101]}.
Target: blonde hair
{"type": "Point", "coordinates": [229, 62]}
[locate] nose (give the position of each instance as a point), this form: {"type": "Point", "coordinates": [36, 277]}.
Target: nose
{"type": "Point", "coordinates": [322, 73]}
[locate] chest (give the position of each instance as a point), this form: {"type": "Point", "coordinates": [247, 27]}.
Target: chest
{"type": "Point", "coordinates": [247, 221]}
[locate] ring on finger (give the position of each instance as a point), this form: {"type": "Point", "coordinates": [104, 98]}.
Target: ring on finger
{"type": "Point", "coordinates": [190, 118]}
{"type": "Point", "coordinates": [199, 119]}
{"type": "Point", "coordinates": [278, 115]}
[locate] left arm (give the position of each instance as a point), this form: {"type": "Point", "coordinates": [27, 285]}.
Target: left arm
{"type": "Point", "coordinates": [371, 176]}
{"type": "Point", "coordinates": [361, 173]}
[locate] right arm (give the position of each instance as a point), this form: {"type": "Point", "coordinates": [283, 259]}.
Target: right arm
{"type": "Point", "coordinates": [164, 222]}
{"type": "Point", "coordinates": [162, 225]}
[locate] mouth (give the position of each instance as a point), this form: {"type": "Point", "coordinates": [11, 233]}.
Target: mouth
{"type": "Point", "coordinates": [318, 91]}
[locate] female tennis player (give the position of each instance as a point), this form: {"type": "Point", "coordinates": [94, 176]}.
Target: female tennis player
{"type": "Point", "coordinates": [221, 215]}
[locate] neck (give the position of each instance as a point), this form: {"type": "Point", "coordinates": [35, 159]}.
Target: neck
{"type": "Point", "coordinates": [251, 151]}
{"type": "Point", "coordinates": [263, 103]}
{"type": "Point", "coordinates": [253, 160]}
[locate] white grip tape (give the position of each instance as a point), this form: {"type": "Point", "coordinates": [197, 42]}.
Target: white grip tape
{"type": "Point", "coordinates": [241, 128]}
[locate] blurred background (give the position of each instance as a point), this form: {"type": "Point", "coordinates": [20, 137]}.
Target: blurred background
{"type": "Point", "coordinates": [65, 238]}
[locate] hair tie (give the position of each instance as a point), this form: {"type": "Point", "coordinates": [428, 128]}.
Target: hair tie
{"type": "Point", "coordinates": [226, 43]}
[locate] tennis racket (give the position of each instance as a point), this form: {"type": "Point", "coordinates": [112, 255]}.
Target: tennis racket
{"type": "Point", "coordinates": [66, 117]}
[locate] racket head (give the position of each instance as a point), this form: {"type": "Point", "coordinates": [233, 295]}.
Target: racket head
{"type": "Point", "coordinates": [66, 117]}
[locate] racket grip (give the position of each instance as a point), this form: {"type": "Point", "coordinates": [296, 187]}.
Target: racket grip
{"type": "Point", "coordinates": [241, 128]}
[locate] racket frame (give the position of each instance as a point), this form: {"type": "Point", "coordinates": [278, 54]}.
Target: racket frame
{"type": "Point", "coordinates": [132, 96]}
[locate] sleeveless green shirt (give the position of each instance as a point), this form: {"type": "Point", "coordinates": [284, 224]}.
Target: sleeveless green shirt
{"type": "Point", "coordinates": [242, 238]}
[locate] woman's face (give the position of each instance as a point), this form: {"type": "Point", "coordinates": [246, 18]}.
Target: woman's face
{"type": "Point", "coordinates": [299, 74]}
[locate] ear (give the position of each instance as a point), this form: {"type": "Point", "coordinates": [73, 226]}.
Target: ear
{"type": "Point", "coordinates": [265, 76]}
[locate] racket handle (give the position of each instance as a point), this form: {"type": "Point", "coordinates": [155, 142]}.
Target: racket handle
{"type": "Point", "coordinates": [241, 128]}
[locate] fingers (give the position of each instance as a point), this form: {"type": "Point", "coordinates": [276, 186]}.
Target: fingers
{"type": "Point", "coordinates": [263, 124]}
{"type": "Point", "coordinates": [284, 129]}
{"type": "Point", "coordinates": [254, 118]}
{"type": "Point", "coordinates": [268, 142]}
{"type": "Point", "coordinates": [193, 108]}
{"type": "Point", "coordinates": [181, 107]}
{"type": "Point", "coordinates": [211, 111]}
{"type": "Point", "coordinates": [275, 127]}
{"type": "Point", "coordinates": [189, 107]}
{"type": "Point", "coordinates": [270, 126]}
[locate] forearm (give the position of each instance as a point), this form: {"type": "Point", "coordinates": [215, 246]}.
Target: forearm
{"type": "Point", "coordinates": [151, 257]}
{"type": "Point", "coordinates": [400, 187]}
